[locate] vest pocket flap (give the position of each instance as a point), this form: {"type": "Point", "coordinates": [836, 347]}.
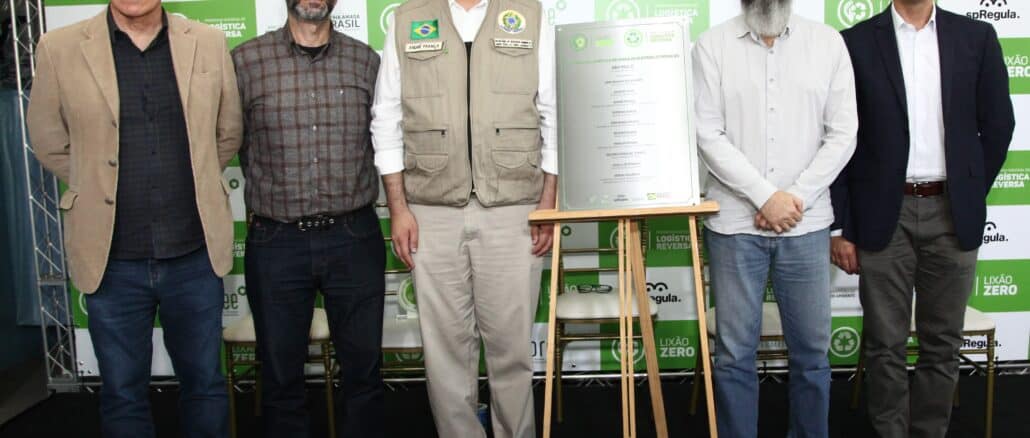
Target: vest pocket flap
{"type": "Point", "coordinates": [68, 200]}
{"type": "Point", "coordinates": [513, 51]}
{"type": "Point", "coordinates": [413, 128]}
{"type": "Point", "coordinates": [518, 124]}
{"type": "Point", "coordinates": [511, 159]}
{"type": "Point", "coordinates": [517, 136]}
{"type": "Point", "coordinates": [424, 55]}
{"type": "Point", "coordinates": [426, 162]}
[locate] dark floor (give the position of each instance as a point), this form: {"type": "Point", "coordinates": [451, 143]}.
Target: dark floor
{"type": "Point", "coordinates": [591, 411]}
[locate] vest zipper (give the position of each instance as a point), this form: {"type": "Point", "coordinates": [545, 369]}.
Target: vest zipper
{"type": "Point", "coordinates": [468, 111]}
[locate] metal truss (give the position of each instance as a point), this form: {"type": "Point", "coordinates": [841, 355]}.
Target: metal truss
{"type": "Point", "coordinates": [27, 25]}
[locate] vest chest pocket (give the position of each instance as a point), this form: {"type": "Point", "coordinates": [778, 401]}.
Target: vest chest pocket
{"type": "Point", "coordinates": [422, 78]}
{"type": "Point", "coordinates": [514, 71]}
{"type": "Point", "coordinates": [425, 139]}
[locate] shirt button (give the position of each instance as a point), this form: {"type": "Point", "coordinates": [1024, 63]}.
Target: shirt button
{"type": "Point", "coordinates": [114, 123]}
{"type": "Point", "coordinates": [772, 109]}
{"type": "Point", "coordinates": [112, 163]}
{"type": "Point", "coordinates": [109, 201]}
{"type": "Point", "coordinates": [315, 160]}
{"type": "Point", "coordinates": [312, 94]}
{"type": "Point", "coordinates": [771, 80]}
{"type": "Point", "coordinates": [314, 127]}
{"type": "Point", "coordinates": [772, 139]}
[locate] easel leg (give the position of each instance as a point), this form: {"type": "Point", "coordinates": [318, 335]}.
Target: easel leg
{"type": "Point", "coordinates": [552, 304]}
{"type": "Point", "coordinates": [623, 342]}
{"type": "Point", "coordinates": [647, 330]}
{"type": "Point", "coordinates": [630, 342]}
{"type": "Point", "coordinates": [702, 327]}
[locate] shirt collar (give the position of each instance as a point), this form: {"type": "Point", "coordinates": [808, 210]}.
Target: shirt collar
{"type": "Point", "coordinates": [481, 4]}
{"type": "Point", "coordinates": [113, 29]}
{"type": "Point", "coordinates": [742, 30]}
{"type": "Point", "coordinates": [287, 37]}
{"type": "Point", "coordinates": [900, 22]}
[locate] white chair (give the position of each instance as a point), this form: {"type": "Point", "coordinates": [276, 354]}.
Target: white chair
{"type": "Point", "coordinates": [241, 340]}
{"type": "Point", "coordinates": [589, 304]}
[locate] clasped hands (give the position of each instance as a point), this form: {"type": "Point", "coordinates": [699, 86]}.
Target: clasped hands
{"type": "Point", "coordinates": [780, 213]}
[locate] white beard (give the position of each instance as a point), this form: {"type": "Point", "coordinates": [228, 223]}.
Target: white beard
{"type": "Point", "coordinates": [767, 18]}
{"type": "Point", "coordinates": [303, 13]}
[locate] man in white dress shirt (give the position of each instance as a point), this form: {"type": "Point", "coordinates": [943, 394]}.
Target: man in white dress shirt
{"type": "Point", "coordinates": [936, 121]}
{"type": "Point", "coordinates": [464, 132]}
{"type": "Point", "coordinates": [776, 123]}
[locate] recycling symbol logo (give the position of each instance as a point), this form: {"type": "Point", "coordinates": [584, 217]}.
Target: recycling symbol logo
{"type": "Point", "coordinates": [844, 342]}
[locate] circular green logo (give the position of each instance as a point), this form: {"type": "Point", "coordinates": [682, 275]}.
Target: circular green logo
{"type": "Point", "coordinates": [844, 342]}
{"type": "Point", "coordinates": [638, 351]}
{"type": "Point", "coordinates": [406, 297]}
{"type": "Point", "coordinates": [384, 17]}
{"type": "Point", "coordinates": [579, 42]}
{"type": "Point", "coordinates": [851, 12]}
{"type": "Point", "coordinates": [622, 10]}
{"type": "Point", "coordinates": [634, 38]}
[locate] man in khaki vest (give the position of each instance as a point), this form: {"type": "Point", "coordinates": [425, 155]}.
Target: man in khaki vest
{"type": "Point", "coordinates": [464, 132]}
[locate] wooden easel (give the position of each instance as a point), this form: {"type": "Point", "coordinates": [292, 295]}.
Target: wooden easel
{"type": "Point", "coordinates": [631, 277]}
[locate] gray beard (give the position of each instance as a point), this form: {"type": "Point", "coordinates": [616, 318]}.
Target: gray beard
{"type": "Point", "coordinates": [767, 18]}
{"type": "Point", "coordinates": [309, 15]}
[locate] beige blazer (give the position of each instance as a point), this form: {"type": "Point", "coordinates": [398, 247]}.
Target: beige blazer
{"type": "Point", "coordinates": [73, 125]}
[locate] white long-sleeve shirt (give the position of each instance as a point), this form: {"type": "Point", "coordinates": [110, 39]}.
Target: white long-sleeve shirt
{"type": "Point", "coordinates": [921, 68]}
{"type": "Point", "coordinates": [387, 134]}
{"type": "Point", "coordinates": [773, 118]}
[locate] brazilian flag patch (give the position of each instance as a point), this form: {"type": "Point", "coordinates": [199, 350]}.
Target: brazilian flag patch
{"type": "Point", "coordinates": [424, 30]}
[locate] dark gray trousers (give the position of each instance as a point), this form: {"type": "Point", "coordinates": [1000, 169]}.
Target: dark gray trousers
{"type": "Point", "coordinates": [922, 255]}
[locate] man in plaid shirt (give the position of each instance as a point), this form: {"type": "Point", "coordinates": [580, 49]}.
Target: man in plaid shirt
{"type": "Point", "coordinates": [308, 161]}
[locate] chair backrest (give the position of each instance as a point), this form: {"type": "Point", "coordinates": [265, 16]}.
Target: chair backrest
{"type": "Point", "coordinates": [599, 251]}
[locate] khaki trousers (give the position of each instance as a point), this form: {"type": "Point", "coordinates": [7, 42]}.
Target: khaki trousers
{"type": "Point", "coordinates": [477, 279]}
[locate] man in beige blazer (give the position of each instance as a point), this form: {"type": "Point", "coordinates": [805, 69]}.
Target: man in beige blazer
{"type": "Point", "coordinates": [138, 112]}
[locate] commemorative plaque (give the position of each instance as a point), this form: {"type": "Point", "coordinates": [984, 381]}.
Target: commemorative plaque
{"type": "Point", "coordinates": [625, 127]}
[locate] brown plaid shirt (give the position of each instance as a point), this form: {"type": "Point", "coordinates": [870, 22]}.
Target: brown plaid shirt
{"type": "Point", "coordinates": [307, 149]}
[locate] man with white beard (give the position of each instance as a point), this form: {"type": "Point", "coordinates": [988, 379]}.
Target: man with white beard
{"type": "Point", "coordinates": [307, 155]}
{"type": "Point", "coordinates": [776, 123]}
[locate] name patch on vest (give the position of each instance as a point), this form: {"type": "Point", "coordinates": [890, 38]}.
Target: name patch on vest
{"type": "Point", "coordinates": [424, 46]}
{"type": "Point", "coordinates": [512, 43]}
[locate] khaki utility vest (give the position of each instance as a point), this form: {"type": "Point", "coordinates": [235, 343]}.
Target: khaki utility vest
{"type": "Point", "coordinates": [504, 167]}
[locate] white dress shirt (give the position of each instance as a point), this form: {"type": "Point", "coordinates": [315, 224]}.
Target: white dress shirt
{"type": "Point", "coordinates": [773, 118]}
{"type": "Point", "coordinates": [387, 134]}
{"type": "Point", "coordinates": [921, 67]}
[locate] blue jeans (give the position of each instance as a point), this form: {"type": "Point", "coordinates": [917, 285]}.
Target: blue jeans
{"type": "Point", "coordinates": [285, 268]}
{"type": "Point", "coordinates": [187, 296]}
{"type": "Point", "coordinates": [799, 268]}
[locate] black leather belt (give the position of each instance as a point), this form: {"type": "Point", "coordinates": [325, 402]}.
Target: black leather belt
{"type": "Point", "coordinates": [309, 223]}
{"type": "Point", "coordinates": [926, 189]}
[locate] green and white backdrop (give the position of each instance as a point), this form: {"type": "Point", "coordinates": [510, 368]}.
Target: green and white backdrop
{"type": "Point", "coordinates": [1003, 280]}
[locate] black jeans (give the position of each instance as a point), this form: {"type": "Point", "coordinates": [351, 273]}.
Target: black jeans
{"type": "Point", "coordinates": [285, 268]}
